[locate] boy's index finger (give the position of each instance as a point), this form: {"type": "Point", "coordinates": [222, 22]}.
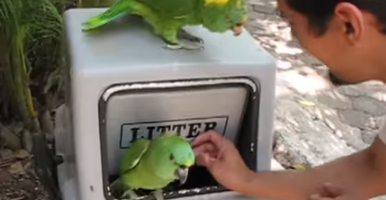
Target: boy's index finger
{"type": "Point", "coordinates": [210, 136]}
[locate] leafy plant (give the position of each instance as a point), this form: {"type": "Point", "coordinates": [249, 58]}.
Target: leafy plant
{"type": "Point", "coordinates": [31, 57]}
{"type": "Point", "coordinates": [31, 41]}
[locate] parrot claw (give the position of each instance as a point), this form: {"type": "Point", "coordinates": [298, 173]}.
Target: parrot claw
{"type": "Point", "coordinates": [173, 46]}
{"type": "Point", "coordinates": [187, 36]}
{"type": "Point", "coordinates": [130, 193]}
{"type": "Point", "coordinates": [158, 195]}
{"type": "Point", "coordinates": [191, 42]}
{"type": "Point", "coordinates": [184, 46]}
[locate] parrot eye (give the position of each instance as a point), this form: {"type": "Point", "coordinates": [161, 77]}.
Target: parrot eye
{"type": "Point", "coordinates": [171, 157]}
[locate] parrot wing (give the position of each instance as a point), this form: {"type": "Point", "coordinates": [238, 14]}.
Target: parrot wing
{"type": "Point", "coordinates": [172, 8]}
{"type": "Point", "coordinates": [133, 155]}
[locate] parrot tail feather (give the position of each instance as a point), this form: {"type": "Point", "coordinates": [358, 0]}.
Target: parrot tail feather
{"type": "Point", "coordinates": [119, 9]}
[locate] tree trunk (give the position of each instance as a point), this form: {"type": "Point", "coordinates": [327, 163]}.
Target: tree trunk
{"type": "Point", "coordinates": [21, 85]}
{"type": "Point", "coordinates": [7, 104]}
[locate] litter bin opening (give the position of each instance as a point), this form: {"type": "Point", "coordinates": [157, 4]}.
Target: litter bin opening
{"type": "Point", "coordinates": [199, 179]}
{"type": "Point", "coordinates": [143, 110]}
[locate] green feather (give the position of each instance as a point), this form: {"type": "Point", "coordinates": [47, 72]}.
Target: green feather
{"type": "Point", "coordinates": [168, 17]}
{"type": "Point", "coordinates": [151, 164]}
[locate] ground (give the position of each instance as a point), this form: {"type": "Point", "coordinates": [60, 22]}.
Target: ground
{"type": "Point", "coordinates": [18, 180]}
{"type": "Point", "coordinates": [314, 122]}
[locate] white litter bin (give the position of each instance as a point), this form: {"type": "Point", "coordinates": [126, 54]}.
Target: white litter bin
{"type": "Point", "coordinates": [123, 85]}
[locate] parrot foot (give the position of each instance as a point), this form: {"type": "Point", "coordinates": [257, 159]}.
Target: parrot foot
{"type": "Point", "coordinates": [130, 193]}
{"type": "Point", "coordinates": [185, 46]}
{"type": "Point", "coordinates": [158, 194]}
{"type": "Point", "coordinates": [187, 36]}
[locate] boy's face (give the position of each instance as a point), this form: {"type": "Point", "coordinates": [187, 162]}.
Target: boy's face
{"type": "Point", "coordinates": [350, 47]}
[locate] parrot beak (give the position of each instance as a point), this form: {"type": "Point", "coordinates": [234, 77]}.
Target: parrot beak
{"type": "Point", "coordinates": [182, 174]}
{"type": "Point", "coordinates": [237, 29]}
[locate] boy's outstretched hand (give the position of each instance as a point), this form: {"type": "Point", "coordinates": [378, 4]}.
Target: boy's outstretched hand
{"type": "Point", "coordinates": [222, 159]}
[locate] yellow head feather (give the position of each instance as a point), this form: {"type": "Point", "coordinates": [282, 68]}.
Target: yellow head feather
{"type": "Point", "coordinates": [218, 2]}
{"type": "Point", "coordinates": [245, 19]}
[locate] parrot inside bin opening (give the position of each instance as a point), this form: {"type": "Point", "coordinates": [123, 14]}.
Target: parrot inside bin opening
{"type": "Point", "coordinates": [168, 17]}
{"type": "Point", "coordinates": [153, 165]}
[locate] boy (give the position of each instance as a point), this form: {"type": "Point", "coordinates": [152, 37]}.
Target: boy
{"type": "Point", "coordinates": [349, 36]}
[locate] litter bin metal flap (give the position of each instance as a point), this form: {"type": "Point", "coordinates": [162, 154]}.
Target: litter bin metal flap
{"type": "Point", "coordinates": [189, 112]}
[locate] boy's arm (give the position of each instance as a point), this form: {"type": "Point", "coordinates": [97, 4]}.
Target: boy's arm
{"type": "Point", "coordinates": [364, 172]}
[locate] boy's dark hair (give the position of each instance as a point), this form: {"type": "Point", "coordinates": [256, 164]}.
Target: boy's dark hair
{"type": "Point", "coordinates": [320, 12]}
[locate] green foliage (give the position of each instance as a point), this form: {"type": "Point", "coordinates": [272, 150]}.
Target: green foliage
{"type": "Point", "coordinates": [31, 41]}
{"type": "Point", "coordinates": [45, 46]}
{"type": "Point", "coordinates": [31, 55]}
{"type": "Point", "coordinates": [13, 32]}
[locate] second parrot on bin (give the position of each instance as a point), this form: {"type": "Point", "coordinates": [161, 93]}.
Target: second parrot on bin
{"type": "Point", "coordinates": [169, 17]}
{"type": "Point", "coordinates": [154, 164]}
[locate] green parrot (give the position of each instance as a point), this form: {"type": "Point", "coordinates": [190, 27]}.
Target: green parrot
{"type": "Point", "coordinates": [168, 17]}
{"type": "Point", "coordinates": [154, 164]}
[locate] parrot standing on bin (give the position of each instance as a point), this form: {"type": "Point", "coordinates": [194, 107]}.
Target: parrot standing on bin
{"type": "Point", "coordinates": [154, 164]}
{"type": "Point", "coordinates": [168, 17]}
